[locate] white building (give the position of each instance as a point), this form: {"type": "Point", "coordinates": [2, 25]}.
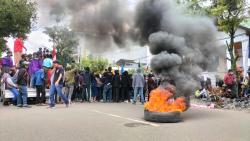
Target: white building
{"type": "Point", "coordinates": [241, 47]}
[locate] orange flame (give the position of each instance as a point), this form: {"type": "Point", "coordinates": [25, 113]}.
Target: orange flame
{"type": "Point", "coordinates": [160, 101]}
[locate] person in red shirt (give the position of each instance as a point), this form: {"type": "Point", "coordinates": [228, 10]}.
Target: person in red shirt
{"type": "Point", "coordinates": [18, 50]}
{"type": "Point", "coordinates": [230, 81]}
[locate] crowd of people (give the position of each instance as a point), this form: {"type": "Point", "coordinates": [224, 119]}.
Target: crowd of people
{"type": "Point", "coordinates": [231, 86]}
{"type": "Point", "coordinates": [70, 84]}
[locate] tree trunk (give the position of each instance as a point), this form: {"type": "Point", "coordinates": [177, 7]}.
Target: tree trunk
{"type": "Point", "coordinates": [232, 53]}
{"type": "Point", "coordinates": [233, 60]}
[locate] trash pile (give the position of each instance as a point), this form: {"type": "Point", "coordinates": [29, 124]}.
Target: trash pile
{"type": "Point", "coordinates": [220, 102]}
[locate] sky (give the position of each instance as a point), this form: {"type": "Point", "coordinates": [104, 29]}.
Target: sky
{"type": "Point", "coordinates": [37, 38]}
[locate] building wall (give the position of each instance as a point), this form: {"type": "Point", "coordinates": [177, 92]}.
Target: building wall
{"type": "Point", "coordinates": [244, 40]}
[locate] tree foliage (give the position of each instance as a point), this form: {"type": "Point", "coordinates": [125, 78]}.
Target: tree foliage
{"type": "Point", "coordinates": [229, 14]}
{"type": "Point", "coordinates": [65, 42]}
{"type": "Point", "coordinates": [96, 65]}
{"type": "Point", "coordinates": [193, 6]}
{"type": "Point", "coordinates": [17, 17]}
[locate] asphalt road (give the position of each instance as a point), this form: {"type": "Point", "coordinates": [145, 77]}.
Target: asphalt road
{"type": "Point", "coordinates": [118, 122]}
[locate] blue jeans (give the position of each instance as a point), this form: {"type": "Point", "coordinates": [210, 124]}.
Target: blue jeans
{"type": "Point", "coordinates": [15, 93]}
{"type": "Point", "coordinates": [107, 93]}
{"type": "Point", "coordinates": [32, 80]}
{"type": "Point", "coordinates": [246, 92]}
{"type": "Point", "coordinates": [69, 91]}
{"type": "Point", "coordinates": [23, 96]}
{"type": "Point", "coordinates": [57, 89]}
{"type": "Point", "coordinates": [138, 91]}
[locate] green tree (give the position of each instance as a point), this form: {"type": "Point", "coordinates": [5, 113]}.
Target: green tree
{"type": "Point", "coordinates": [96, 65]}
{"type": "Point", "coordinates": [229, 14]}
{"type": "Point", "coordinates": [65, 42]}
{"type": "Point", "coordinates": [193, 6]}
{"type": "Point", "coordinates": [17, 17]}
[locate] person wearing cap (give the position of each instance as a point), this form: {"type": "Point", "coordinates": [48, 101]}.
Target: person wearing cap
{"type": "Point", "coordinates": [22, 82]}
{"type": "Point", "coordinates": [47, 62]}
{"type": "Point", "coordinates": [7, 61]}
{"type": "Point", "coordinates": [57, 85]}
{"type": "Point", "coordinates": [24, 58]}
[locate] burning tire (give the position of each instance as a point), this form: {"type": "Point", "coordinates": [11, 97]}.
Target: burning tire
{"type": "Point", "coordinates": [165, 117]}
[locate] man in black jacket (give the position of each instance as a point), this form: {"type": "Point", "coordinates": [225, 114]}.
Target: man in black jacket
{"type": "Point", "coordinates": [87, 77]}
{"type": "Point", "coordinates": [125, 84]}
{"type": "Point", "coordinates": [107, 88]}
{"type": "Point", "coordinates": [22, 81]}
{"type": "Point", "coordinates": [116, 86]}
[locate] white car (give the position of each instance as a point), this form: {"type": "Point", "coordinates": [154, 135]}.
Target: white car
{"type": "Point", "coordinates": [6, 95]}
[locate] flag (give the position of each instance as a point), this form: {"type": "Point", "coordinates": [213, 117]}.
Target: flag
{"type": "Point", "coordinates": [122, 69]}
{"type": "Point", "coordinates": [54, 54]}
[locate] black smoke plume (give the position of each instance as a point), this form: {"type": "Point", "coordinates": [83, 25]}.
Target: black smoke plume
{"type": "Point", "coordinates": [183, 45]}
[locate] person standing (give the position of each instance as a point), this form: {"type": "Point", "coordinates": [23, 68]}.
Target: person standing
{"type": "Point", "coordinates": [125, 87]}
{"type": "Point", "coordinates": [23, 58]}
{"type": "Point", "coordinates": [151, 84]}
{"type": "Point", "coordinates": [76, 92]}
{"type": "Point", "coordinates": [57, 85]}
{"type": "Point", "coordinates": [22, 82]}
{"type": "Point", "coordinates": [138, 84]}
{"type": "Point", "coordinates": [87, 77]}
{"type": "Point", "coordinates": [34, 66]}
{"type": "Point", "coordinates": [39, 83]}
{"type": "Point", "coordinates": [116, 86]}
{"type": "Point", "coordinates": [48, 62]}
{"type": "Point", "coordinates": [69, 82]}
{"type": "Point", "coordinates": [7, 62]}
{"type": "Point", "coordinates": [94, 90]}
{"type": "Point", "coordinates": [98, 86]}
{"type": "Point", "coordinates": [107, 88]}
{"type": "Point", "coordinates": [18, 50]}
